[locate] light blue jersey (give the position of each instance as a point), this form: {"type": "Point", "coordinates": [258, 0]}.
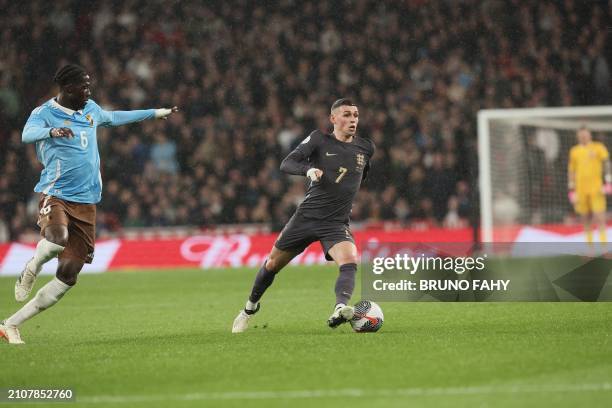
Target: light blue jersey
{"type": "Point", "coordinates": [72, 165]}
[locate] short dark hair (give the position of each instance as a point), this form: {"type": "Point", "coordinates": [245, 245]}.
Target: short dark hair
{"type": "Point", "coordinates": [69, 74]}
{"type": "Point", "coordinates": [342, 102]}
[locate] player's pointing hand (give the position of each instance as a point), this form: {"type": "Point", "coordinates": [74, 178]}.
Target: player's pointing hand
{"type": "Point", "coordinates": [163, 113]}
{"type": "Point", "coordinates": [61, 132]}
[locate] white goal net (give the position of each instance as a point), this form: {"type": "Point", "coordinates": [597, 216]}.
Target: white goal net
{"type": "Point", "coordinates": [523, 155]}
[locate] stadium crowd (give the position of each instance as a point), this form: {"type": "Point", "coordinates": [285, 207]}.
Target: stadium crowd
{"type": "Point", "coordinates": [252, 79]}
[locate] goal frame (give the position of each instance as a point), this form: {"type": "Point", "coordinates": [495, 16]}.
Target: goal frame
{"type": "Point", "coordinates": [484, 149]}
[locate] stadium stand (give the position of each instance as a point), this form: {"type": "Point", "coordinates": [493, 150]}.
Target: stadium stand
{"type": "Point", "coordinates": [253, 78]}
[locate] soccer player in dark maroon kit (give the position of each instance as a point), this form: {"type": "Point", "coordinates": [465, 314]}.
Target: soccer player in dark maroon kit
{"type": "Point", "coordinates": [336, 164]}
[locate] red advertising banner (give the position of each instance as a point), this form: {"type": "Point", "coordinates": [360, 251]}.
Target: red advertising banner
{"type": "Point", "coordinates": [232, 250]}
{"type": "Point", "coordinates": [208, 250]}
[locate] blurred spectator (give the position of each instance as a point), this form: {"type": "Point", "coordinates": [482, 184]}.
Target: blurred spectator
{"type": "Point", "coordinates": [401, 210]}
{"type": "Point", "coordinates": [464, 201]}
{"type": "Point", "coordinates": [163, 154]}
{"type": "Point", "coordinates": [453, 219]}
{"type": "Point", "coordinates": [134, 217]}
{"type": "Point", "coordinates": [440, 182]}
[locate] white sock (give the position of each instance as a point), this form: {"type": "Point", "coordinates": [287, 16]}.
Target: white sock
{"type": "Point", "coordinates": [46, 297]}
{"type": "Point", "coordinates": [250, 305]}
{"type": "Point", "coordinates": [339, 306]}
{"type": "Point", "coordinates": [45, 251]}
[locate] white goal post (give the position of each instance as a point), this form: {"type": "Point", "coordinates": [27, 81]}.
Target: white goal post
{"type": "Point", "coordinates": [522, 157]}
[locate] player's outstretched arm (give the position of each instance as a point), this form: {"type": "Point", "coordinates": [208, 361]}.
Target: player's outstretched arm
{"type": "Point", "coordinates": [118, 118]}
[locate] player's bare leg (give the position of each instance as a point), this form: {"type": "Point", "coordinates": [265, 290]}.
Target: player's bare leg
{"type": "Point", "coordinates": [56, 238]}
{"type": "Point", "coordinates": [276, 261]}
{"type": "Point", "coordinates": [46, 297]}
{"type": "Point", "coordinates": [345, 255]}
{"type": "Point", "coordinates": [68, 270]}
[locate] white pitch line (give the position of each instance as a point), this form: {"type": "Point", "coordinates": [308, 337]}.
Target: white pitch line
{"type": "Point", "coordinates": [350, 393]}
{"type": "Point", "coordinates": [123, 306]}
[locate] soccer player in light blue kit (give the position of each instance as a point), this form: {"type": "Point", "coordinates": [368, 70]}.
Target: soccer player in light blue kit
{"type": "Point", "coordinates": [64, 130]}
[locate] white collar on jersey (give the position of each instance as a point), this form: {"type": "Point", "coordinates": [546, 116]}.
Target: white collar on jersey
{"type": "Point", "coordinates": [64, 109]}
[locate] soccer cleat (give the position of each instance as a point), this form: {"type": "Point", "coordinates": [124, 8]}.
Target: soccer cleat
{"type": "Point", "coordinates": [25, 282]}
{"type": "Point", "coordinates": [241, 322]}
{"type": "Point", "coordinates": [342, 314]}
{"type": "Point", "coordinates": [10, 333]}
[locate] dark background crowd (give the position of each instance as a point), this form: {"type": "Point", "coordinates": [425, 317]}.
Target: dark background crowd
{"type": "Point", "coordinates": [253, 78]}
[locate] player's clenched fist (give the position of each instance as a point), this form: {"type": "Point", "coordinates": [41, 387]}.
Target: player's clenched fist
{"type": "Point", "coordinates": [314, 174]}
{"type": "Point", "coordinates": [61, 132]}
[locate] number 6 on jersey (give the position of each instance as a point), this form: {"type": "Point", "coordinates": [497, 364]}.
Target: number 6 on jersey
{"type": "Point", "coordinates": [84, 141]}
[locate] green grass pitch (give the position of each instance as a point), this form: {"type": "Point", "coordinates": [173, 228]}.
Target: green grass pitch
{"type": "Point", "coordinates": [162, 339]}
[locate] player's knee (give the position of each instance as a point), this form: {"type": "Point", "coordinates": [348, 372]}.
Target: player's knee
{"type": "Point", "coordinates": [346, 259]}
{"type": "Point", "coordinates": [62, 241]}
{"type": "Point", "coordinates": [272, 264]}
{"type": "Point", "coordinates": [57, 234]}
{"type": "Point", "coordinates": [277, 261]}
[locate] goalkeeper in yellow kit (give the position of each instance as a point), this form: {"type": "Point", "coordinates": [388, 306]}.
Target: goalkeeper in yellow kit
{"type": "Point", "coordinates": [587, 192]}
